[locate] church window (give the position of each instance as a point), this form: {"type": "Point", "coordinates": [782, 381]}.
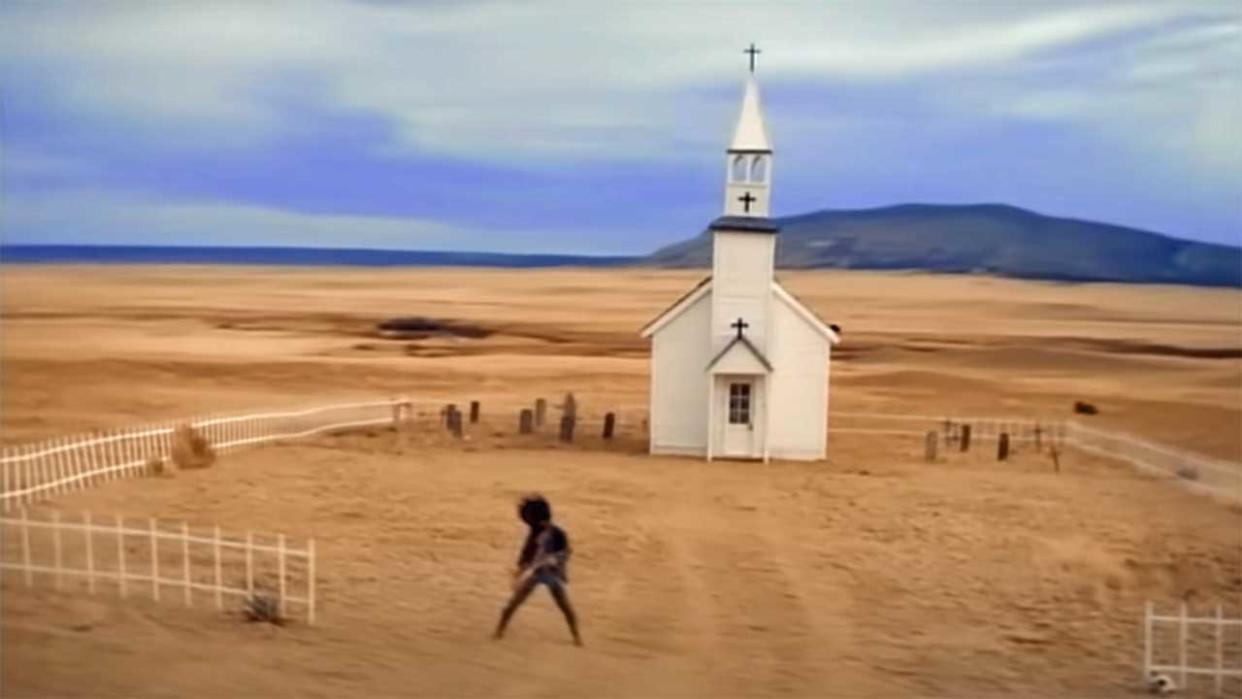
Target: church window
{"type": "Point", "coordinates": [739, 404]}
{"type": "Point", "coordinates": [759, 169]}
{"type": "Point", "coordinates": [738, 173]}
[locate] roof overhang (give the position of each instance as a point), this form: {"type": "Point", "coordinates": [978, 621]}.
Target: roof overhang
{"type": "Point", "coordinates": [744, 224]}
{"type": "Point", "coordinates": [806, 314]}
{"type": "Point", "coordinates": [679, 306]}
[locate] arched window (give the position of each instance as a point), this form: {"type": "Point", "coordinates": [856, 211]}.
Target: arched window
{"type": "Point", "coordinates": [759, 169]}
{"type": "Point", "coordinates": [738, 172]}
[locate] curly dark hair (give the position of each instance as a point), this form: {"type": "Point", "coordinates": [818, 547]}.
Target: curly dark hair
{"type": "Point", "coordinates": [534, 510]}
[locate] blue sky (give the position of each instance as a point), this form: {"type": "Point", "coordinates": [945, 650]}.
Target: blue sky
{"type": "Point", "coordinates": [600, 127]}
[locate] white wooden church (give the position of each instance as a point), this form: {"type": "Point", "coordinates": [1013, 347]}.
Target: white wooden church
{"type": "Point", "coordinates": [739, 367]}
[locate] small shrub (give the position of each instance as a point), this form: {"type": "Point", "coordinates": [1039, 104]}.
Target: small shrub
{"type": "Point", "coordinates": [1085, 408]}
{"type": "Point", "coordinates": [263, 607]}
{"type": "Point", "coordinates": [1187, 472]}
{"type": "Point", "coordinates": [157, 466]}
{"type": "Point", "coordinates": [191, 449]}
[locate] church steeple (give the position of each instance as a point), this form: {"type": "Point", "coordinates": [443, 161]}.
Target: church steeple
{"type": "Point", "coordinates": [748, 160]}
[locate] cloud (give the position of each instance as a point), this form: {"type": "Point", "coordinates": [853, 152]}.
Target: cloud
{"type": "Point", "coordinates": [533, 81]}
{"type": "Point", "coordinates": [555, 118]}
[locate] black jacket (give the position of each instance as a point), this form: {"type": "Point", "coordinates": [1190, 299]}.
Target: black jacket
{"type": "Point", "coordinates": [550, 542]}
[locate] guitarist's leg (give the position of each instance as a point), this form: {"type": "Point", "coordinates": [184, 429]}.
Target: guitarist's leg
{"type": "Point", "coordinates": [562, 601]}
{"type": "Point", "coordinates": [519, 596]}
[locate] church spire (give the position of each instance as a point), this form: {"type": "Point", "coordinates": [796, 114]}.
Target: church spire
{"type": "Point", "coordinates": [748, 160]}
{"type": "Point", "coordinates": [751, 134]}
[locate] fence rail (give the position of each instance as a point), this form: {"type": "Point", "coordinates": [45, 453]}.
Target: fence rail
{"type": "Point", "coordinates": [1195, 472]}
{"type": "Point", "coordinates": [30, 473]}
{"type": "Point", "coordinates": [1223, 643]}
{"type": "Point", "coordinates": [159, 556]}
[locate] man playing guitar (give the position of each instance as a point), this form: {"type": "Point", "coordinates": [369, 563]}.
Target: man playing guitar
{"type": "Point", "coordinates": [543, 561]}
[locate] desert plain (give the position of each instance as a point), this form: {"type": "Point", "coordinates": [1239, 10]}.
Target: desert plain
{"type": "Point", "coordinates": [871, 574]}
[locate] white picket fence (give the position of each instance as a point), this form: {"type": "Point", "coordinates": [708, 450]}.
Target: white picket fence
{"type": "Point", "coordinates": [157, 557]}
{"type": "Point", "coordinates": [33, 472]}
{"type": "Point", "coordinates": [1216, 655]}
{"type": "Point", "coordinates": [1195, 472]}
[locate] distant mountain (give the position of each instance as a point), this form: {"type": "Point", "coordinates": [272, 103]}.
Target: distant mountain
{"type": "Point", "coordinates": [281, 256]}
{"type": "Point", "coordinates": [984, 238]}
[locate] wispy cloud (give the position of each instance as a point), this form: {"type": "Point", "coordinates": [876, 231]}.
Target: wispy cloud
{"type": "Point", "coordinates": [541, 97]}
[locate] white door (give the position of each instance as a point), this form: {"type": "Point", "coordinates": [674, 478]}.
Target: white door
{"type": "Point", "coordinates": [739, 415]}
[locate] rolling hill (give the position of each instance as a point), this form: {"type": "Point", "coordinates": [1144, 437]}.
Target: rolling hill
{"type": "Point", "coordinates": [983, 238]}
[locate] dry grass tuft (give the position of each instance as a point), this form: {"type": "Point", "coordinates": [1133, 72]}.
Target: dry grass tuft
{"type": "Point", "coordinates": [263, 607]}
{"type": "Point", "coordinates": [191, 449]}
{"type": "Point", "coordinates": [157, 466]}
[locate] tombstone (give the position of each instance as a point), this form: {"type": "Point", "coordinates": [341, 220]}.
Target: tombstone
{"type": "Point", "coordinates": [454, 425]}
{"type": "Point", "coordinates": [929, 448]}
{"type": "Point", "coordinates": [449, 410]}
{"type": "Point", "coordinates": [965, 438]}
{"type": "Point", "coordinates": [1002, 447]}
{"type": "Point", "coordinates": [567, 428]}
{"type": "Point", "coordinates": [541, 409]}
{"type": "Point", "coordinates": [474, 412]}
{"type": "Point", "coordinates": [570, 407]}
{"type": "Point", "coordinates": [610, 423]}
{"type": "Point", "coordinates": [526, 421]}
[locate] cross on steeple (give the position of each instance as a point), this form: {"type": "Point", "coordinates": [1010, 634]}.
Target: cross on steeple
{"type": "Point", "coordinates": [740, 325]}
{"type": "Point", "coordinates": [747, 199]}
{"type": "Point", "coordinates": [752, 51]}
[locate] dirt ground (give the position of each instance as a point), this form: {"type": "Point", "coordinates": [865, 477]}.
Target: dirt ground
{"type": "Point", "coordinates": [873, 574]}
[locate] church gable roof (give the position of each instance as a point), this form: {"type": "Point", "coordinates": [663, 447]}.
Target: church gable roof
{"type": "Point", "coordinates": [831, 332]}
{"type": "Point", "coordinates": [678, 307]}
{"type": "Point", "coordinates": [738, 344]}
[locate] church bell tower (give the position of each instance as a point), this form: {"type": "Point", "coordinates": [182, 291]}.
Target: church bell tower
{"type": "Point", "coordinates": [744, 238]}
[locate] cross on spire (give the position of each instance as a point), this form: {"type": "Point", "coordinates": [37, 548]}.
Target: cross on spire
{"type": "Point", "coordinates": [752, 51]}
{"type": "Point", "coordinates": [740, 325]}
{"type": "Point", "coordinates": [747, 199]}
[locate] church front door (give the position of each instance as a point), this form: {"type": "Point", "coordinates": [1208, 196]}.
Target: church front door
{"type": "Point", "coordinates": [739, 427]}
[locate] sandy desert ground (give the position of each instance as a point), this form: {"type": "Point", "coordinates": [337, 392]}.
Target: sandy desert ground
{"type": "Point", "coordinates": [870, 575]}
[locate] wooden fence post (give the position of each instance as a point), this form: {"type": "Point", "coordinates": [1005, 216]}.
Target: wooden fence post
{"type": "Point", "coordinates": [250, 563]}
{"type": "Point", "coordinates": [455, 422]}
{"type": "Point", "coordinates": [610, 424]}
{"type": "Point", "coordinates": [26, 547]}
{"type": "Point", "coordinates": [120, 554]}
{"type": "Point", "coordinates": [216, 556]}
{"type": "Point", "coordinates": [1147, 640]}
{"type": "Point", "coordinates": [90, 551]}
{"type": "Point", "coordinates": [1220, 656]}
{"type": "Point", "coordinates": [155, 562]}
{"type": "Point", "coordinates": [567, 428]}
{"type": "Point", "coordinates": [965, 438]}
{"type": "Point", "coordinates": [56, 548]}
{"type": "Point", "coordinates": [1002, 447]}
{"type": "Point", "coordinates": [310, 582]}
{"type": "Point", "coordinates": [474, 412]}
{"type": "Point", "coordinates": [1183, 631]}
{"type": "Point", "coordinates": [1039, 437]}
{"type": "Point", "coordinates": [526, 420]}
{"type": "Point", "coordinates": [185, 564]}
{"type": "Point", "coordinates": [541, 410]}
{"type": "Point", "coordinates": [929, 447]}
{"type": "Point", "coordinates": [280, 600]}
